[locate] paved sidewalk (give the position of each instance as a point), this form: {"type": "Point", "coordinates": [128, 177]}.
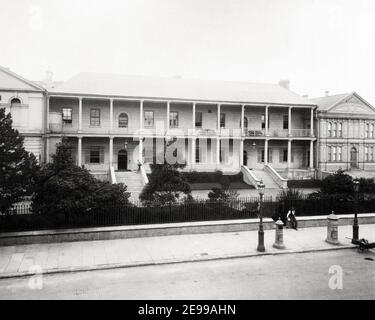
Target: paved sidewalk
{"type": "Point", "coordinates": [93, 255]}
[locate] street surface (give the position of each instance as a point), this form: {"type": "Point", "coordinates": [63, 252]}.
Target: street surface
{"type": "Point", "coordinates": [288, 276]}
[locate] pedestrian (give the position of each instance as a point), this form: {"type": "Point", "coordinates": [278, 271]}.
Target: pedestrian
{"type": "Point", "coordinates": [291, 217]}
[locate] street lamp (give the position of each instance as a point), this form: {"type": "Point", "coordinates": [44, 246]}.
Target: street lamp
{"type": "Point", "coordinates": [355, 222]}
{"type": "Point", "coordinates": [261, 188]}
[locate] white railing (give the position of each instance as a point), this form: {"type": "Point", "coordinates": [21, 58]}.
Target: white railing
{"type": "Point", "coordinates": [249, 177]}
{"type": "Point", "coordinates": [301, 132]}
{"type": "Point", "coordinates": [279, 180]}
{"type": "Point", "coordinates": [143, 175]}
{"type": "Point", "coordinates": [254, 133]}
{"type": "Point", "coordinates": [112, 174]}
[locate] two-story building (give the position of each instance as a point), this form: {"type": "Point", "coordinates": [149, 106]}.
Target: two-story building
{"type": "Point", "coordinates": [346, 133]}
{"type": "Point", "coordinates": [120, 121]}
{"type": "Point", "coordinates": [26, 101]}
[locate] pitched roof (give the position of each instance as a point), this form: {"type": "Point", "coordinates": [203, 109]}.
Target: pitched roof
{"type": "Point", "coordinates": [34, 85]}
{"type": "Point", "coordinates": [326, 102]}
{"type": "Point", "coordinates": [178, 88]}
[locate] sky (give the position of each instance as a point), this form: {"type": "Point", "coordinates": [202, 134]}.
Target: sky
{"type": "Point", "coordinates": [319, 45]}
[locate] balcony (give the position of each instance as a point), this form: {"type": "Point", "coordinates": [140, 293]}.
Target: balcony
{"type": "Point", "coordinates": [254, 133]}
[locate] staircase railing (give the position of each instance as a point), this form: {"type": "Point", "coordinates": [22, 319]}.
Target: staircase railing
{"type": "Point", "coordinates": [249, 177]}
{"type": "Point", "coordinates": [112, 174]}
{"type": "Point", "coordinates": [143, 174]}
{"type": "Point", "coordinates": [279, 180]}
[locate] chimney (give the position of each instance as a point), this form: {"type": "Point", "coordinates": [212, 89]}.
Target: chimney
{"type": "Point", "coordinates": [48, 80]}
{"type": "Point", "coordinates": [326, 93]}
{"type": "Point", "coordinates": [285, 84]}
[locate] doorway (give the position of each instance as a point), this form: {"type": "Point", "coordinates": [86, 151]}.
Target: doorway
{"type": "Point", "coordinates": [353, 158]}
{"type": "Point", "coordinates": [245, 158]}
{"type": "Point", "coordinates": [122, 160]}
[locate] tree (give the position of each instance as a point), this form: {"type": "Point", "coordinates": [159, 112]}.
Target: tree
{"type": "Point", "coordinates": [337, 183]}
{"type": "Point", "coordinates": [62, 186]}
{"type": "Point", "coordinates": [224, 193]}
{"type": "Point", "coordinates": [18, 167]}
{"type": "Point", "coordinates": [166, 183]}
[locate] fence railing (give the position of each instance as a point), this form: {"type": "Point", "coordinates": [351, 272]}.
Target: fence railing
{"type": "Point", "coordinates": [196, 210]}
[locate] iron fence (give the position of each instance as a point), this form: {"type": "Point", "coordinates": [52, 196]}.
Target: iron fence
{"type": "Point", "coordinates": [189, 211]}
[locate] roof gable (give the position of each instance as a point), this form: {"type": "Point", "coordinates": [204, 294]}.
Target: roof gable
{"type": "Point", "coordinates": [12, 81]}
{"type": "Point", "coordinates": [352, 103]}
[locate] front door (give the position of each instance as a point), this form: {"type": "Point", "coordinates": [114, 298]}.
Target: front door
{"type": "Point", "coordinates": [353, 158]}
{"type": "Point", "coordinates": [122, 160]}
{"type": "Point", "coordinates": [245, 158]}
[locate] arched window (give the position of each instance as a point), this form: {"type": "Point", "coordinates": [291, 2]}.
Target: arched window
{"type": "Point", "coordinates": [15, 101]}
{"type": "Point", "coordinates": [334, 127]}
{"type": "Point", "coordinates": [123, 120]}
{"type": "Point", "coordinates": [329, 129]}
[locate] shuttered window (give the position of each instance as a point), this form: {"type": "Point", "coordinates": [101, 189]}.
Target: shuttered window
{"type": "Point", "coordinates": [95, 117]}
{"type": "Point", "coordinates": [94, 155]}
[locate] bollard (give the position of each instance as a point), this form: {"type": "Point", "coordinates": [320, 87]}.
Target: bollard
{"type": "Point", "coordinates": [332, 229]}
{"type": "Point", "coordinates": [279, 235]}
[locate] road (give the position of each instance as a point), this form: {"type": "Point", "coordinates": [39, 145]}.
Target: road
{"type": "Point", "coordinates": [289, 276]}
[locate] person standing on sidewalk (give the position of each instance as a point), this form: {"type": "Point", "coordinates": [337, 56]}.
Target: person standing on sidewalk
{"type": "Point", "coordinates": [291, 216]}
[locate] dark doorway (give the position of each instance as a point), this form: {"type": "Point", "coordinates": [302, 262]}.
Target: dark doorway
{"type": "Point", "coordinates": [353, 158]}
{"type": "Point", "coordinates": [122, 160]}
{"type": "Point", "coordinates": [245, 158]}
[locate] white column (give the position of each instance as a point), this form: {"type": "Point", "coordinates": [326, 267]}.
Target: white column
{"type": "Point", "coordinates": [141, 115]}
{"type": "Point", "coordinates": [266, 121]}
{"type": "Point", "coordinates": [193, 116]}
{"type": "Point", "coordinates": [80, 115]}
{"type": "Point", "coordinates": [79, 152]}
{"type": "Point", "coordinates": [110, 115]}
{"type": "Point", "coordinates": [168, 113]}
{"type": "Point", "coordinates": [218, 117]}
{"type": "Point", "coordinates": [47, 150]}
{"type": "Point", "coordinates": [47, 115]}
{"type": "Point", "coordinates": [312, 122]}
{"type": "Point", "coordinates": [242, 119]}
{"type": "Point", "coordinates": [110, 151]}
{"type": "Point", "coordinates": [140, 150]}
{"type": "Point", "coordinates": [290, 121]}
{"type": "Point", "coordinates": [311, 154]}
{"type": "Point", "coordinates": [241, 152]}
{"type": "Point", "coordinates": [289, 153]}
{"type": "Point", "coordinates": [265, 152]}
{"type": "Point", "coordinates": [218, 151]}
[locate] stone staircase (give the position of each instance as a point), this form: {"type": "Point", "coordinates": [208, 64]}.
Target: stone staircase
{"type": "Point", "coordinates": [267, 179]}
{"type": "Point", "coordinates": [133, 181]}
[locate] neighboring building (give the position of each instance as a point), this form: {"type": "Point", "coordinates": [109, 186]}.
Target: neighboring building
{"type": "Point", "coordinates": [26, 101]}
{"type": "Point", "coordinates": [346, 137]}
{"type": "Point", "coordinates": [222, 125]}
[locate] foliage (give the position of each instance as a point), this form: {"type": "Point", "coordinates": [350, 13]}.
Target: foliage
{"type": "Point", "coordinates": [17, 166]}
{"type": "Point", "coordinates": [61, 186]}
{"type": "Point", "coordinates": [210, 177]}
{"type": "Point", "coordinates": [308, 183]}
{"type": "Point", "coordinates": [337, 183]}
{"type": "Point", "coordinates": [166, 184]}
{"type": "Point", "coordinates": [224, 193]}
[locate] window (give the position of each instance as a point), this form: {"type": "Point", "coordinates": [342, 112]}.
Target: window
{"type": "Point", "coordinates": [222, 120]}
{"type": "Point", "coordinates": [334, 127]}
{"type": "Point", "coordinates": [333, 153]}
{"type": "Point", "coordinates": [15, 101]}
{"type": "Point", "coordinates": [285, 122]}
{"type": "Point", "coordinates": [372, 153]}
{"type": "Point", "coordinates": [0, 98]}
{"type": "Point", "coordinates": [367, 130]}
{"type": "Point", "coordinates": [149, 119]}
{"type": "Point", "coordinates": [173, 119]}
{"type": "Point", "coordinates": [329, 126]}
{"type": "Point", "coordinates": [339, 153]}
{"type": "Point", "coordinates": [367, 158]}
{"type": "Point", "coordinates": [245, 122]}
{"type": "Point", "coordinates": [95, 155]}
{"type": "Point", "coordinates": [263, 119]}
{"type": "Point", "coordinates": [329, 153]}
{"type": "Point", "coordinates": [285, 155]}
{"type": "Point", "coordinates": [198, 119]}
{"type": "Point", "coordinates": [197, 155]}
{"type": "Point", "coordinates": [123, 120]}
{"type": "Point", "coordinates": [67, 115]}
{"type": "Point", "coordinates": [95, 117]}
{"type": "Point", "coordinates": [339, 130]}
{"type": "Point", "coordinates": [372, 130]}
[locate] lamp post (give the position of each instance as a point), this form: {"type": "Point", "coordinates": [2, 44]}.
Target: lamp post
{"type": "Point", "coordinates": [261, 188]}
{"type": "Point", "coordinates": [355, 222]}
